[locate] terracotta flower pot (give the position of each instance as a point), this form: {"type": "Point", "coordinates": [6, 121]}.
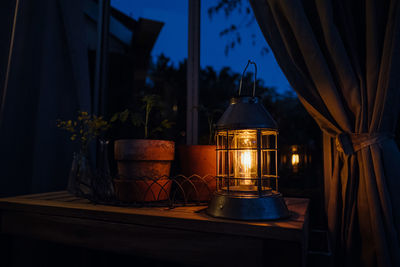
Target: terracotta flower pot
{"type": "Point", "coordinates": [140, 162]}
{"type": "Point", "coordinates": [198, 163]}
{"type": "Point", "coordinates": [142, 190]}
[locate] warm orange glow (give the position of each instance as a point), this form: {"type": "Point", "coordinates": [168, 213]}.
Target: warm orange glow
{"type": "Point", "coordinates": [247, 158]}
{"type": "Point", "coordinates": [295, 159]}
{"type": "Point", "coordinates": [246, 165]}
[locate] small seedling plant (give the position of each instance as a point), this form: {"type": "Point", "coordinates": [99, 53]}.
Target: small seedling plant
{"type": "Point", "coordinates": [142, 119]}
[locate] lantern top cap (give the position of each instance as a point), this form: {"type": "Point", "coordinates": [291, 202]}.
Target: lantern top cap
{"type": "Point", "coordinates": [246, 112]}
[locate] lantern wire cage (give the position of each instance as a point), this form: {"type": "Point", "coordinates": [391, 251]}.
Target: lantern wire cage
{"type": "Point", "coordinates": [246, 164]}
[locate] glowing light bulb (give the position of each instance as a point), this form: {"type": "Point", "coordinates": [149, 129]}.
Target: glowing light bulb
{"type": "Point", "coordinates": [245, 161]}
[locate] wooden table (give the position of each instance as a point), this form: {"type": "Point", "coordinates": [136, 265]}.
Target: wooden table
{"type": "Point", "coordinates": [183, 234]}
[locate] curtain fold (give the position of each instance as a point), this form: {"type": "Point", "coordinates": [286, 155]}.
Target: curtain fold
{"type": "Point", "coordinates": [341, 57]}
{"type": "Point", "coordinates": [48, 80]}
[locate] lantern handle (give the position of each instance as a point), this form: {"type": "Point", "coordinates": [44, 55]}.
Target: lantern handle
{"type": "Point", "coordinates": [255, 77]}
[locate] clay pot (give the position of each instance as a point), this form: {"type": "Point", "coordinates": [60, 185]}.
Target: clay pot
{"type": "Point", "coordinates": [140, 162]}
{"type": "Point", "coordinates": [198, 163]}
{"type": "Point", "coordinates": [142, 190]}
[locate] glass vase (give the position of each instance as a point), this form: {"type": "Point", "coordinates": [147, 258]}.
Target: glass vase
{"type": "Point", "coordinates": [102, 185]}
{"type": "Point", "coordinates": [80, 176]}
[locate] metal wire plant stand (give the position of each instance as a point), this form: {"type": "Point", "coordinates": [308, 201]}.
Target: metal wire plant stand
{"type": "Point", "coordinates": [172, 191]}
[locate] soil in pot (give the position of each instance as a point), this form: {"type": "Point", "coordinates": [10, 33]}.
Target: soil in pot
{"type": "Point", "coordinates": [143, 169]}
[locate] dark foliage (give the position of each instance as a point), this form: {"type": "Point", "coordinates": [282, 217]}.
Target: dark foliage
{"type": "Point", "coordinates": [233, 32]}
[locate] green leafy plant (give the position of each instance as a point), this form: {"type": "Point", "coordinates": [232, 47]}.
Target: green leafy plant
{"type": "Point", "coordinates": [142, 119]}
{"type": "Point", "coordinates": [85, 128]}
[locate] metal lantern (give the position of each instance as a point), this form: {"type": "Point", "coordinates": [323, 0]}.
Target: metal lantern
{"type": "Point", "coordinates": [247, 178]}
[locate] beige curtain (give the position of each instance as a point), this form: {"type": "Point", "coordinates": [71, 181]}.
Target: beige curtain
{"type": "Point", "coordinates": [342, 58]}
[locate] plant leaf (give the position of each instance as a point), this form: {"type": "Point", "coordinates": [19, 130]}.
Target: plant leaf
{"type": "Point", "coordinates": [137, 119]}
{"type": "Point", "coordinates": [167, 124]}
{"type": "Point", "coordinates": [123, 116]}
{"type": "Point", "coordinates": [115, 117]}
{"type": "Point", "coordinates": [157, 129]}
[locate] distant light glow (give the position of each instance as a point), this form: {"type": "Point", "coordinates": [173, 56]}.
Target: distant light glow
{"type": "Point", "coordinates": [295, 159]}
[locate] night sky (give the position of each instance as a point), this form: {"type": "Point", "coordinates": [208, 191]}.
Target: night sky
{"type": "Point", "coordinates": [172, 40]}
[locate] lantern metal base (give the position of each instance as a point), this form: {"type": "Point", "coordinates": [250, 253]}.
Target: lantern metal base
{"type": "Point", "coordinates": [271, 207]}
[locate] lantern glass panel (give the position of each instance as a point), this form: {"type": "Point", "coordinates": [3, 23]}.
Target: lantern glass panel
{"type": "Point", "coordinates": [221, 140]}
{"type": "Point", "coordinates": [268, 169]}
{"type": "Point", "coordinates": [221, 163]}
{"type": "Point", "coordinates": [222, 154]}
{"type": "Point", "coordinates": [244, 156]}
{"type": "Point", "coordinates": [268, 139]}
{"type": "Point", "coordinates": [269, 159]}
{"type": "Point", "coordinates": [238, 167]}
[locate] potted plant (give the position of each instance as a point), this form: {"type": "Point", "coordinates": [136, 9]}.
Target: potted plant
{"type": "Point", "coordinates": [143, 164]}
{"type": "Point", "coordinates": [198, 162]}
{"type": "Point", "coordinates": [84, 129]}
